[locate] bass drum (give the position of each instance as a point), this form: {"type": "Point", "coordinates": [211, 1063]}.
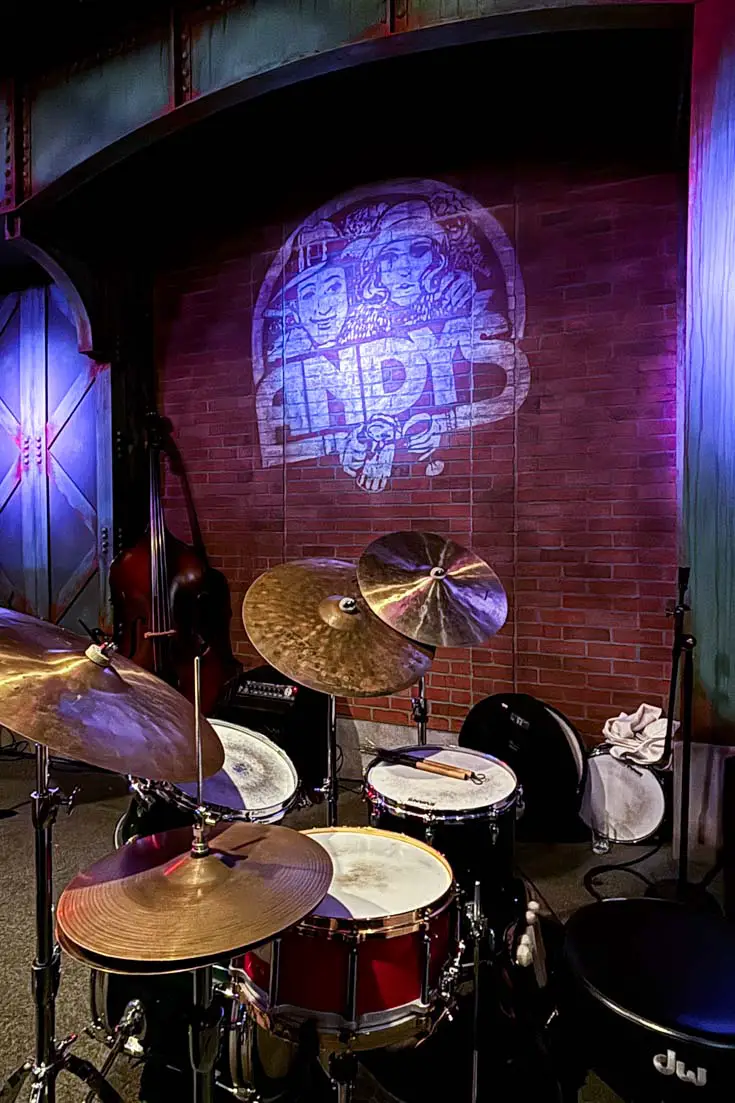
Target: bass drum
{"type": "Point", "coordinates": [163, 1038]}
{"type": "Point", "coordinates": [546, 753]}
{"type": "Point", "coordinates": [649, 1003]}
{"type": "Point", "coordinates": [623, 802]}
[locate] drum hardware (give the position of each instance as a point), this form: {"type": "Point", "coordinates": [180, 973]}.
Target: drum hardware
{"type": "Point", "coordinates": [204, 1033]}
{"type": "Point", "coordinates": [332, 781]}
{"type": "Point", "coordinates": [420, 711]}
{"type": "Point", "coordinates": [680, 888]}
{"type": "Point", "coordinates": [343, 1075]}
{"type": "Point", "coordinates": [477, 929]}
{"type": "Point", "coordinates": [50, 1056]}
{"type": "Point", "coordinates": [126, 1033]}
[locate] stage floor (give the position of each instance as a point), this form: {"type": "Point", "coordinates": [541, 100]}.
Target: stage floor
{"type": "Point", "coordinates": [556, 871]}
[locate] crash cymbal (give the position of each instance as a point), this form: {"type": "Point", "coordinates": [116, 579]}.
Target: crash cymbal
{"type": "Point", "coordinates": [308, 620]}
{"type": "Point", "coordinates": [431, 589]}
{"type": "Point", "coordinates": [152, 903]}
{"type": "Point", "coordinates": [114, 715]}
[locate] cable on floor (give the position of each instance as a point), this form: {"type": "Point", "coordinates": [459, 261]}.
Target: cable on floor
{"type": "Point", "coordinates": [592, 875]}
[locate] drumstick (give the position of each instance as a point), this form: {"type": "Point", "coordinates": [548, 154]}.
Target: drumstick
{"type": "Point", "coordinates": [429, 766]}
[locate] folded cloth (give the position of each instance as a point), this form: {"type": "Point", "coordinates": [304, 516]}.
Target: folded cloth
{"type": "Point", "coordinates": [637, 736]}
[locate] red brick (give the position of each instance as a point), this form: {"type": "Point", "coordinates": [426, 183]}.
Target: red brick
{"type": "Point", "coordinates": [573, 502]}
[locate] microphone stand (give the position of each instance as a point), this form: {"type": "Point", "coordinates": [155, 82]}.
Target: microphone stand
{"type": "Point", "coordinates": [680, 888]}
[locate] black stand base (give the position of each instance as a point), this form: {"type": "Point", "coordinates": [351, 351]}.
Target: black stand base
{"type": "Point", "coordinates": [694, 896]}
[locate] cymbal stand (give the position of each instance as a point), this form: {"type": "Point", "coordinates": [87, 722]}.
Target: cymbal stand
{"type": "Point", "coordinates": [331, 785]}
{"type": "Point", "coordinates": [343, 1074]}
{"type": "Point", "coordinates": [420, 710]}
{"type": "Point", "coordinates": [205, 1021]}
{"type": "Point", "coordinates": [477, 931]}
{"type": "Point", "coordinates": [50, 1056]}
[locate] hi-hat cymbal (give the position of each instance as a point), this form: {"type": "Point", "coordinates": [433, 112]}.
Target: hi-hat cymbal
{"type": "Point", "coordinates": [115, 715]}
{"type": "Point", "coordinates": [308, 620]}
{"type": "Point", "coordinates": [431, 589]}
{"type": "Point", "coordinates": [153, 907]}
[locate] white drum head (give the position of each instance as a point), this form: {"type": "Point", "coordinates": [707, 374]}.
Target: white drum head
{"type": "Point", "coordinates": [257, 776]}
{"type": "Point", "coordinates": [379, 874]}
{"type": "Point", "coordinates": [407, 788]}
{"type": "Point", "coordinates": [622, 801]}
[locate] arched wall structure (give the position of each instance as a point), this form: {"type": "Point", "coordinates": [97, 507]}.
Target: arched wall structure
{"type": "Point", "coordinates": [60, 129]}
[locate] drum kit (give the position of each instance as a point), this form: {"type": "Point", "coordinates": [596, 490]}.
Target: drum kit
{"type": "Point", "coordinates": [359, 933]}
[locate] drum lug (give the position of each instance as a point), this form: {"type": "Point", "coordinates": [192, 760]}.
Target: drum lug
{"type": "Point", "coordinates": [494, 831]}
{"type": "Point", "coordinates": [351, 1006]}
{"type": "Point", "coordinates": [426, 972]}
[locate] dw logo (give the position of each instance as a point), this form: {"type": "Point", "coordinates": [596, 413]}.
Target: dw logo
{"type": "Point", "coordinates": [389, 323]}
{"type": "Point", "coordinates": [668, 1065]}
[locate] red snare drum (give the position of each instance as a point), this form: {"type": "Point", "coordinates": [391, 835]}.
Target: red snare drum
{"type": "Point", "coordinates": [365, 965]}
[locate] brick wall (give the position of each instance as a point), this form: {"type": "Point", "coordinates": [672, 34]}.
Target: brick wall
{"type": "Point", "coordinates": [573, 499]}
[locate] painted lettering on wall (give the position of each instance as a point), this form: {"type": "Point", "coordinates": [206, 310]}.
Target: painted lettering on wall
{"type": "Point", "coordinates": [388, 323]}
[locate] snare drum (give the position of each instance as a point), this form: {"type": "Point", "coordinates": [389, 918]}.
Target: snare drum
{"type": "Point", "coordinates": [257, 783]}
{"type": "Point", "coordinates": [473, 824]}
{"type": "Point", "coordinates": [365, 966]}
{"type": "Point", "coordinates": [623, 801]}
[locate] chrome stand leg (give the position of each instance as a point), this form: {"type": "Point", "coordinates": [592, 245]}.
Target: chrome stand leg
{"type": "Point", "coordinates": [204, 1035]}
{"type": "Point", "coordinates": [343, 1073]}
{"type": "Point", "coordinates": [50, 1056]}
{"type": "Point", "coordinates": [478, 927]}
{"type": "Point", "coordinates": [420, 711]}
{"type": "Point", "coordinates": [332, 785]}
{"type": "Point", "coordinates": [46, 963]}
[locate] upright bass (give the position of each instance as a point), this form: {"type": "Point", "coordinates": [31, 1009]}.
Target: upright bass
{"type": "Point", "coordinates": [170, 604]}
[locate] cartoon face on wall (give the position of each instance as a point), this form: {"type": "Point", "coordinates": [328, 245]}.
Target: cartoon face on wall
{"type": "Point", "coordinates": [387, 323]}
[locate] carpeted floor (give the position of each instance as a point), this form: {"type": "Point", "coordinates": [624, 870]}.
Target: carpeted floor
{"type": "Point", "coordinates": [556, 872]}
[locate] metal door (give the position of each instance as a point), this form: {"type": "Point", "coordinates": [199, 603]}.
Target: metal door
{"type": "Point", "coordinates": [55, 465]}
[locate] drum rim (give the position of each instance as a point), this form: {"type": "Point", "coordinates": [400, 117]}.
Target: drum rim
{"type": "Point", "coordinates": [579, 743]}
{"type": "Point", "coordinates": [389, 926]}
{"type": "Point", "coordinates": [484, 812]}
{"type": "Point", "coordinates": [602, 750]}
{"type": "Point", "coordinates": [170, 792]}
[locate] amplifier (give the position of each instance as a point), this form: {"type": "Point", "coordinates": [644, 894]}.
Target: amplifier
{"type": "Point", "coordinates": [291, 715]}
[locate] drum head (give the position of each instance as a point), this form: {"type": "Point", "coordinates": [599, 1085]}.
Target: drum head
{"type": "Point", "coordinates": [378, 874]}
{"type": "Point", "coordinates": [659, 962]}
{"type": "Point", "coordinates": [405, 788]}
{"type": "Point", "coordinates": [257, 777]}
{"type": "Point", "coordinates": [542, 748]}
{"type": "Point", "coordinates": [622, 801]}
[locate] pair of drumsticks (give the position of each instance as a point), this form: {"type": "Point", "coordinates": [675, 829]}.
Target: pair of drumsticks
{"type": "Point", "coordinates": [430, 766]}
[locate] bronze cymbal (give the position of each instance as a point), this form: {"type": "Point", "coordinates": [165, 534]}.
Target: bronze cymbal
{"type": "Point", "coordinates": [308, 620]}
{"type": "Point", "coordinates": [115, 715]}
{"type": "Point", "coordinates": [431, 589]}
{"type": "Point", "coordinates": [154, 907]}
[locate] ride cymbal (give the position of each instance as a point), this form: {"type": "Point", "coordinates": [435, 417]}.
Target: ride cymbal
{"type": "Point", "coordinates": [308, 620]}
{"type": "Point", "coordinates": [431, 589]}
{"type": "Point", "coordinates": [109, 713]}
{"type": "Point", "coordinates": [152, 906]}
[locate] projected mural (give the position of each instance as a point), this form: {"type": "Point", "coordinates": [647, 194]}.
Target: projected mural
{"type": "Point", "coordinates": [387, 324]}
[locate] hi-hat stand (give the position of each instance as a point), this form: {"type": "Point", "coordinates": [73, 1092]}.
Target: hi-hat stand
{"type": "Point", "coordinates": [51, 1057]}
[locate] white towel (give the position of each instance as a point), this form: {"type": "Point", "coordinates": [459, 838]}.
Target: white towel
{"type": "Point", "coordinates": [637, 736]}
